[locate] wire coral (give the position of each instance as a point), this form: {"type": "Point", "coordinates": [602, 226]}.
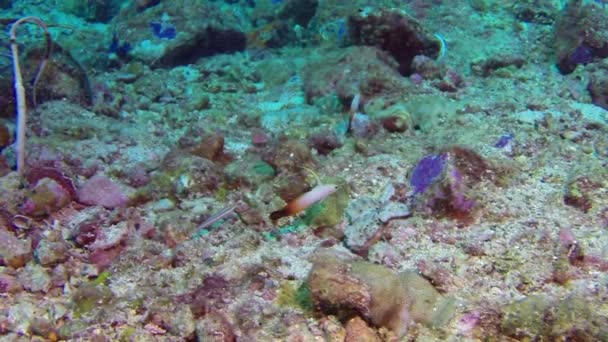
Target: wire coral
{"type": "Point", "coordinates": [18, 83]}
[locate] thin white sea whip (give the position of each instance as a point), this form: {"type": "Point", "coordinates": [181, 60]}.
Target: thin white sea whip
{"type": "Point", "coordinates": [18, 84]}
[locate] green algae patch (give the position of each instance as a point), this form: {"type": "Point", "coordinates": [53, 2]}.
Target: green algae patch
{"type": "Point", "coordinates": [263, 169]}
{"type": "Point", "coordinates": [294, 296]}
{"type": "Point", "coordinates": [89, 297]}
{"type": "Point", "coordinates": [102, 278]}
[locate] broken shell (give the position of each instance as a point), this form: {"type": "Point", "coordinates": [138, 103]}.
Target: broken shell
{"type": "Point", "coordinates": [22, 222]}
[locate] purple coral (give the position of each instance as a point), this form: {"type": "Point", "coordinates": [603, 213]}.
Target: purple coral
{"type": "Point", "coordinates": [445, 179]}
{"type": "Point", "coordinates": [426, 171]}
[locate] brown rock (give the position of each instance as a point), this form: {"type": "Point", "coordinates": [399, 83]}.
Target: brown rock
{"type": "Point", "coordinates": [598, 88]}
{"type": "Point", "coordinates": [343, 287]}
{"type": "Point", "coordinates": [214, 327]}
{"type": "Point", "coordinates": [335, 289]}
{"type": "Point", "coordinates": [50, 253]}
{"type": "Point", "coordinates": [9, 284]}
{"type": "Point", "coordinates": [211, 147]}
{"type": "Point", "coordinates": [14, 252]}
{"type": "Point", "coordinates": [395, 32]}
{"type": "Point", "coordinates": [358, 331]}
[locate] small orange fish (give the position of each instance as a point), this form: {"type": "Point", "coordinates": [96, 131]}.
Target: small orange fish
{"type": "Point", "coordinates": [304, 201]}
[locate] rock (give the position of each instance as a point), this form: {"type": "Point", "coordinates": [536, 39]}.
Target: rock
{"type": "Point", "coordinates": [144, 4]}
{"type": "Point", "coordinates": [11, 186]}
{"type": "Point", "coordinates": [427, 67]}
{"type": "Point", "coordinates": [14, 252]}
{"type": "Point", "coordinates": [373, 73]}
{"type": "Point", "coordinates": [543, 12]}
{"type": "Point", "coordinates": [366, 225]}
{"type": "Point", "coordinates": [363, 127]}
{"type": "Point", "coordinates": [358, 331]}
{"type": "Point", "coordinates": [21, 316]}
{"type": "Point", "coordinates": [182, 34]}
{"type": "Point", "coordinates": [211, 147]}
{"type": "Point", "coordinates": [50, 253]}
{"type": "Point", "coordinates": [486, 66]}
{"type": "Point", "coordinates": [63, 78]}
{"type": "Point", "coordinates": [580, 36]}
{"type": "Point", "coordinates": [70, 121]}
{"type": "Point", "coordinates": [89, 297]}
{"type": "Point", "coordinates": [288, 119]}
{"type": "Point", "coordinates": [178, 320]}
{"type": "Point", "coordinates": [362, 231]}
{"type": "Point", "coordinates": [298, 12]}
{"type": "Point", "coordinates": [395, 118]}
{"type": "Point", "coordinates": [250, 170]}
{"type": "Point", "coordinates": [102, 191]}
{"type": "Point", "coordinates": [45, 329]}
{"type": "Point", "coordinates": [60, 275]}
{"type": "Point", "coordinates": [392, 211]}
{"type": "Point", "coordinates": [91, 10]}
{"type": "Point", "coordinates": [82, 227]}
{"type": "Point", "coordinates": [395, 32]}
{"type": "Point", "coordinates": [108, 237]}
{"type": "Point", "coordinates": [35, 278]}
{"type": "Point", "coordinates": [540, 317]}
{"type": "Point", "coordinates": [394, 124]}
{"type": "Point", "coordinates": [137, 176]}
{"type": "Point", "coordinates": [324, 142]}
{"type": "Point", "coordinates": [289, 156]}
{"type": "Point", "coordinates": [598, 88]}
{"type": "Point", "coordinates": [9, 284]}
{"type": "Point", "coordinates": [341, 286]}
{"type": "Point", "coordinates": [47, 197]}
{"type": "Point", "coordinates": [214, 327]}
{"type": "Point", "coordinates": [102, 258]}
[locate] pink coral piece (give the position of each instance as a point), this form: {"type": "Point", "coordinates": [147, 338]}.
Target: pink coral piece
{"type": "Point", "coordinates": [101, 190]}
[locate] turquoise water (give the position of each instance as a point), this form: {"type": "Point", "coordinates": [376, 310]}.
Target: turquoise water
{"type": "Point", "coordinates": [310, 170]}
